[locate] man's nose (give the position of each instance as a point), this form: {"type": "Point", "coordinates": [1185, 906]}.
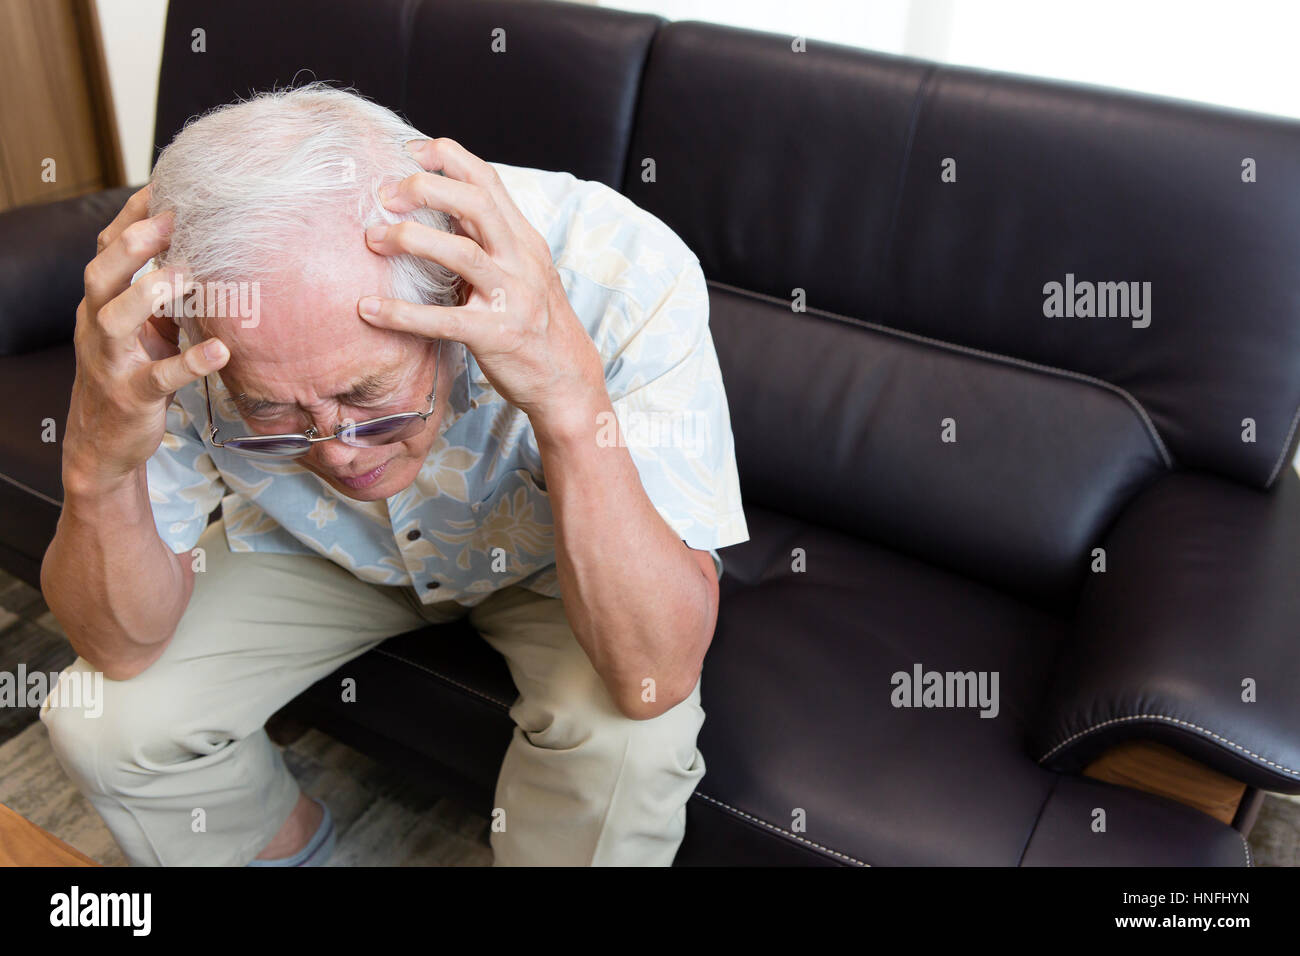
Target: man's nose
{"type": "Point", "coordinates": [334, 453]}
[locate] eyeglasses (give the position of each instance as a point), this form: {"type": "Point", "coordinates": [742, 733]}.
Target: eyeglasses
{"type": "Point", "coordinates": [386, 430]}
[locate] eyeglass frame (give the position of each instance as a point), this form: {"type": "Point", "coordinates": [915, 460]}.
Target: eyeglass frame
{"type": "Point", "coordinates": [310, 432]}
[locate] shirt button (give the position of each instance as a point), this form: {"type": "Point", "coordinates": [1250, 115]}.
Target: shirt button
{"type": "Point", "coordinates": [412, 535]}
{"type": "Point", "coordinates": [433, 585]}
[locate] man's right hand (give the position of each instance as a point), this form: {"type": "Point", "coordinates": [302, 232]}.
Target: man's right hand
{"type": "Point", "coordinates": [129, 363]}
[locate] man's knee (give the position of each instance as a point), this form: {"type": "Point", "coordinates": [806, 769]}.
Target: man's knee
{"type": "Point", "coordinates": [668, 742]}
{"type": "Point", "coordinates": [100, 728]}
{"type": "Point", "coordinates": [576, 712]}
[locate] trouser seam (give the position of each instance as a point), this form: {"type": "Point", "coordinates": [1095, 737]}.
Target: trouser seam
{"type": "Point", "coordinates": [609, 804]}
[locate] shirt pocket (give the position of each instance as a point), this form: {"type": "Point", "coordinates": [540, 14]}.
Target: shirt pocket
{"type": "Point", "coordinates": [515, 527]}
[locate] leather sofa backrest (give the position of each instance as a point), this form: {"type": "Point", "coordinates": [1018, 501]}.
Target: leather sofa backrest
{"type": "Point", "coordinates": [561, 95]}
{"type": "Point", "coordinates": [823, 172]}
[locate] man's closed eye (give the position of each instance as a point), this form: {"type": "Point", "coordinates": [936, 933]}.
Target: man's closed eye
{"type": "Point", "coordinates": [281, 419]}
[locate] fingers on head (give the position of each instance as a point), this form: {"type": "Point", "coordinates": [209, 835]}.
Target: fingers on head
{"type": "Point", "coordinates": [426, 321]}
{"type": "Point", "coordinates": [460, 254]}
{"type": "Point", "coordinates": [110, 271]}
{"type": "Point", "coordinates": [450, 157]}
{"type": "Point", "coordinates": [446, 154]}
{"type": "Point", "coordinates": [153, 294]}
{"type": "Point", "coordinates": [135, 209]}
{"type": "Point", "coordinates": [166, 376]}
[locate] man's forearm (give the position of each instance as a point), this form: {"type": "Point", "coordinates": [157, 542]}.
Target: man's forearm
{"type": "Point", "coordinates": [637, 599]}
{"type": "Point", "coordinates": [110, 580]}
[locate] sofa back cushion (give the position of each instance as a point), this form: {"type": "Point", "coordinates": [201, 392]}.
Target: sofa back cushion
{"type": "Point", "coordinates": [547, 85]}
{"type": "Point", "coordinates": [920, 213]}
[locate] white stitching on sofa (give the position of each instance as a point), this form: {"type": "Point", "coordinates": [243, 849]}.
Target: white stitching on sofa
{"type": "Point", "coordinates": [1277, 469]}
{"type": "Point", "coordinates": [705, 796]}
{"type": "Point", "coordinates": [994, 356]}
{"type": "Point", "coordinates": [1173, 720]}
{"type": "Point", "coordinates": [428, 670]}
{"type": "Point", "coordinates": [792, 836]}
{"type": "Point", "coordinates": [1247, 846]}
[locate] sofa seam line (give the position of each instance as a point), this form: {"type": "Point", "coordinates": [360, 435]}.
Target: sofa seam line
{"type": "Point", "coordinates": [913, 120]}
{"type": "Point", "coordinates": [783, 832]}
{"type": "Point", "coordinates": [638, 97]}
{"type": "Point", "coordinates": [409, 14]}
{"type": "Point", "coordinates": [31, 491]}
{"type": "Point", "coordinates": [428, 670]}
{"type": "Point", "coordinates": [1153, 433]}
{"type": "Point", "coordinates": [1038, 819]}
{"type": "Point", "coordinates": [1286, 445]}
{"type": "Point", "coordinates": [1282, 768]}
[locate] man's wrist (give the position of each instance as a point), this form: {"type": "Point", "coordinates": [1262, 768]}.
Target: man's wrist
{"type": "Point", "coordinates": [86, 480]}
{"type": "Point", "coordinates": [573, 421]}
{"type": "Point", "coordinates": [575, 416]}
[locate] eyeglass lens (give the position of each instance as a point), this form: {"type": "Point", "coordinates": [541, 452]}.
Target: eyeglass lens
{"type": "Point", "coordinates": [363, 435]}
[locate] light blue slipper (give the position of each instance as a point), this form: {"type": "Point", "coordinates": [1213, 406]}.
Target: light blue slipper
{"type": "Point", "coordinates": [318, 849]}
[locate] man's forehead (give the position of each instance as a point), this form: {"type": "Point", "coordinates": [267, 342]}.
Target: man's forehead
{"type": "Point", "coordinates": [308, 331]}
{"type": "Point", "coordinates": [330, 360]}
{"type": "Point", "coordinates": [313, 299]}
{"type": "Point", "coordinates": [370, 384]}
{"type": "Point", "coordinates": [366, 375]}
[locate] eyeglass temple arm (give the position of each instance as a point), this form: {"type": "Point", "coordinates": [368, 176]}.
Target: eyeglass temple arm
{"type": "Point", "coordinates": [212, 423]}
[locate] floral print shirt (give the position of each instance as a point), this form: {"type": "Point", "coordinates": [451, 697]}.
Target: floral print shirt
{"type": "Point", "coordinates": [480, 503]}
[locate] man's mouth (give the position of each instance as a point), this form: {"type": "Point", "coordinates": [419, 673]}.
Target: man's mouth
{"type": "Point", "coordinates": [363, 480]}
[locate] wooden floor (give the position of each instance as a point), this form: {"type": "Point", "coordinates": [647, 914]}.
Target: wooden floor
{"type": "Point", "coordinates": [23, 843]}
{"type": "Point", "coordinates": [383, 819]}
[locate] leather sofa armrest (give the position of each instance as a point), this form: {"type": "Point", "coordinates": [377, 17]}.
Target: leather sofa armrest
{"type": "Point", "coordinates": [1199, 603]}
{"type": "Point", "coordinates": [43, 252]}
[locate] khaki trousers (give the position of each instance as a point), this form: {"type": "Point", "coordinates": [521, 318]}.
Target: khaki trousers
{"type": "Point", "coordinates": [183, 741]}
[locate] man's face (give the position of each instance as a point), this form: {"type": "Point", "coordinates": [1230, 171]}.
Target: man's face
{"type": "Point", "coordinates": [303, 362]}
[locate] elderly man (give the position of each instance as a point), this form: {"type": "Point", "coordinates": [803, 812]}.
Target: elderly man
{"type": "Point", "coordinates": [433, 379]}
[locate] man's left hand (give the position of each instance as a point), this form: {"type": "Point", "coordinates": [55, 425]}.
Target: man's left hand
{"type": "Point", "coordinates": [516, 320]}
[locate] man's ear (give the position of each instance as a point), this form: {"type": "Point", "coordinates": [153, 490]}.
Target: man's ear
{"type": "Point", "coordinates": [189, 326]}
{"type": "Point", "coordinates": [193, 328]}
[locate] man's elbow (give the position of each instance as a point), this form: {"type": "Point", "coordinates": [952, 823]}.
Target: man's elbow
{"type": "Point", "coordinates": [648, 702]}
{"type": "Point", "coordinates": [126, 669]}
{"type": "Point", "coordinates": [650, 697]}
{"type": "Point", "coordinates": [653, 697]}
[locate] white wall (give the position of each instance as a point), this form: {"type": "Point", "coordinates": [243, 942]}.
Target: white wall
{"type": "Point", "coordinates": [1239, 54]}
{"type": "Point", "coordinates": [1217, 51]}
{"type": "Point", "coordinates": [878, 24]}
{"type": "Point", "coordinates": [133, 36]}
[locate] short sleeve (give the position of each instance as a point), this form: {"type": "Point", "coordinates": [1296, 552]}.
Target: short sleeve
{"type": "Point", "coordinates": [666, 389]}
{"type": "Point", "coordinates": [184, 485]}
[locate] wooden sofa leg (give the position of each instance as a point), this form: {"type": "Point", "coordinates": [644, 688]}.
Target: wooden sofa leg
{"type": "Point", "coordinates": [1156, 768]}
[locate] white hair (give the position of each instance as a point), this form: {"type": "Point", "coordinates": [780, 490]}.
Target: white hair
{"type": "Point", "coordinates": [251, 183]}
